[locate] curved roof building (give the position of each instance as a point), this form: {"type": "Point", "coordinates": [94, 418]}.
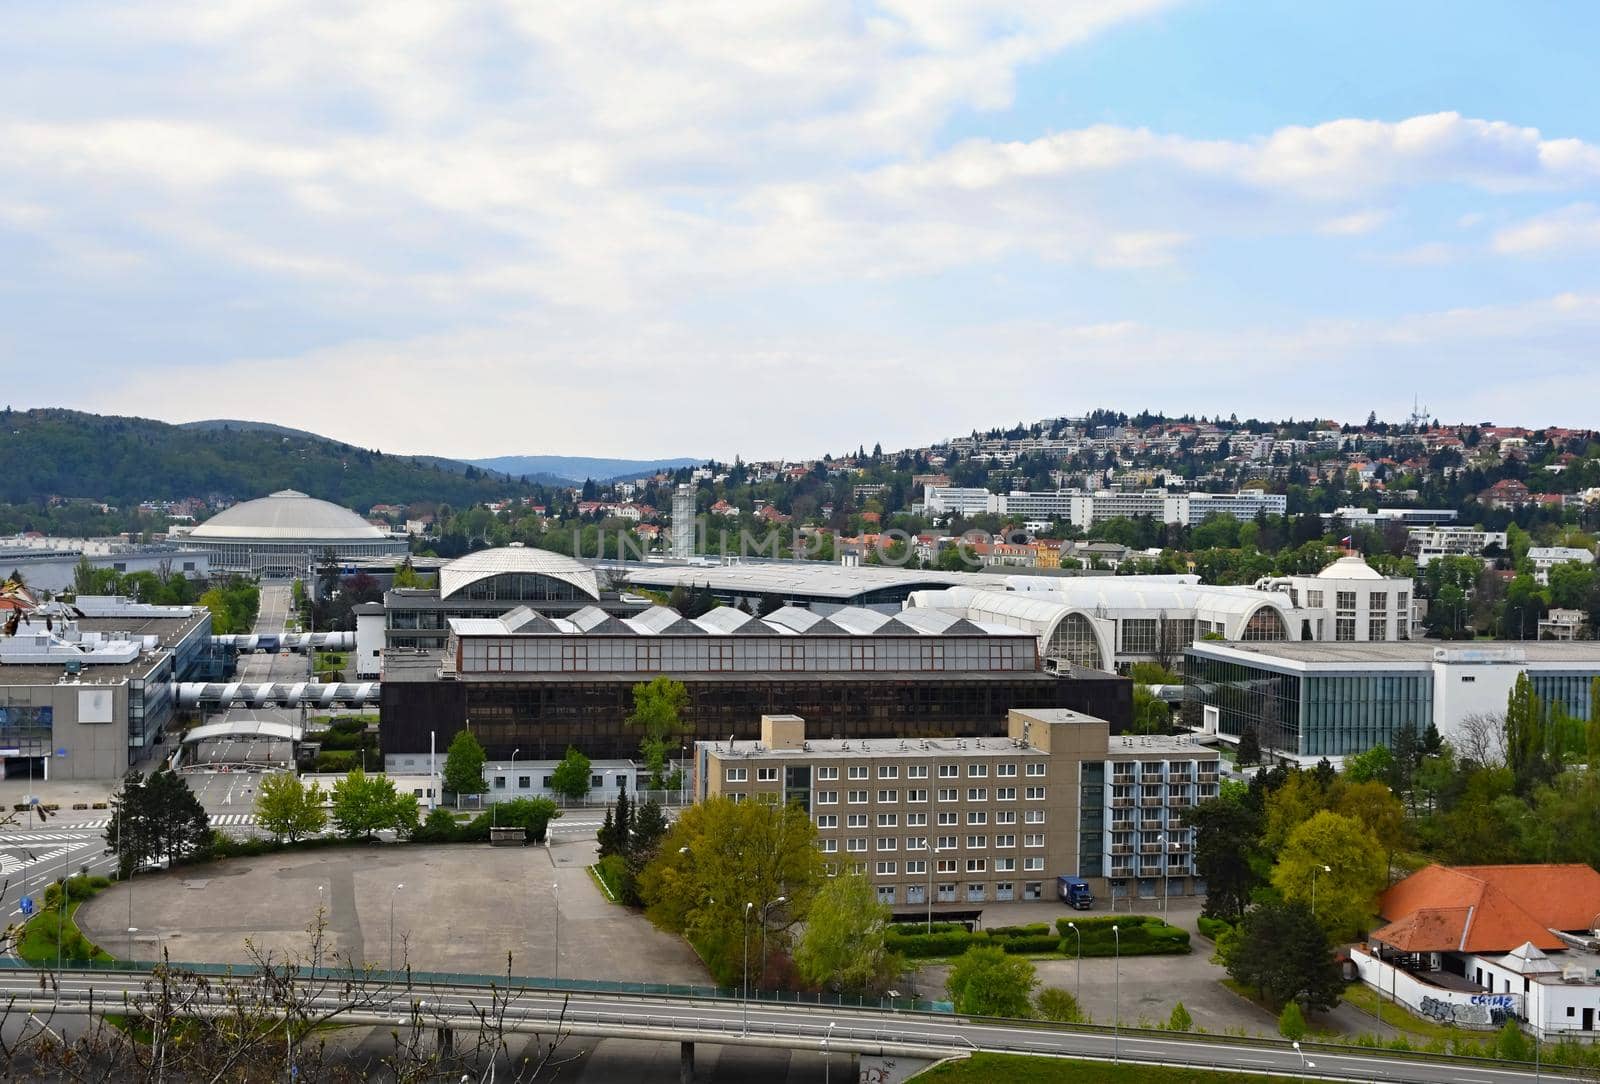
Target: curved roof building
{"type": "Point", "coordinates": [284, 533]}
{"type": "Point", "coordinates": [518, 573]}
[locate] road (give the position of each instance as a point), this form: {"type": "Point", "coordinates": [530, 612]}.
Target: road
{"type": "Point", "coordinates": [814, 1028]}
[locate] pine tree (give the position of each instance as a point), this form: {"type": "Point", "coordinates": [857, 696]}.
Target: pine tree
{"type": "Point", "coordinates": [624, 822]}
{"type": "Point", "coordinates": [606, 837]}
{"type": "Point", "coordinates": [1249, 747]}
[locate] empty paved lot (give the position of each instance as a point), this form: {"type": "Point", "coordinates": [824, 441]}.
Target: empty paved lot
{"type": "Point", "coordinates": [463, 908]}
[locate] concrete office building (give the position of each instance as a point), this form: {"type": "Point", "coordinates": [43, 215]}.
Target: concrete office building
{"type": "Point", "coordinates": [1083, 508]}
{"type": "Point", "coordinates": [1310, 700]}
{"type": "Point", "coordinates": [540, 684]}
{"type": "Point", "coordinates": [1545, 558]}
{"type": "Point", "coordinates": [88, 698]}
{"type": "Point", "coordinates": [284, 534]}
{"type": "Point", "coordinates": [948, 823]}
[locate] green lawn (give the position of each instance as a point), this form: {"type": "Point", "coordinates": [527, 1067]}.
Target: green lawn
{"type": "Point", "coordinates": [38, 942]}
{"type": "Point", "coordinates": [1015, 1069]}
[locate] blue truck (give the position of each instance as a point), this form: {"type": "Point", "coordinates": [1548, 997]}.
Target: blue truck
{"type": "Point", "coordinates": [1074, 891]}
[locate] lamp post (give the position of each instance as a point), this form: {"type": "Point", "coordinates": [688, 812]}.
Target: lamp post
{"type": "Point", "coordinates": [1161, 838]}
{"type": "Point", "coordinates": [1314, 871]}
{"type": "Point", "coordinates": [765, 908]}
{"type": "Point", "coordinates": [556, 888]}
{"type": "Point", "coordinates": [744, 1027]}
{"type": "Point", "coordinates": [1305, 1062]}
{"type": "Point", "coordinates": [1116, 1013]}
{"type": "Point", "coordinates": [392, 894]}
{"type": "Point", "coordinates": [827, 1055]}
{"type": "Point", "coordinates": [1073, 926]}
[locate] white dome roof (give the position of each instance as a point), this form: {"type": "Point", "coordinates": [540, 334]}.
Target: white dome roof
{"type": "Point", "coordinates": [1349, 568]}
{"type": "Point", "coordinates": [287, 515]}
{"type": "Point", "coordinates": [516, 558]}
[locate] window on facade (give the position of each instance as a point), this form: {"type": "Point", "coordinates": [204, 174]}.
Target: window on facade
{"type": "Point", "coordinates": [856, 820]}
{"type": "Point", "coordinates": [1006, 816]}
{"type": "Point", "coordinates": [916, 796]}
{"type": "Point", "coordinates": [791, 655]}
{"type": "Point", "coordinates": [1005, 794]}
{"type": "Point", "coordinates": [863, 655]}
{"type": "Point", "coordinates": [886, 893]}
{"type": "Point", "coordinates": [1033, 839]}
{"type": "Point", "coordinates": [1265, 624]}
{"type": "Point", "coordinates": [977, 794]}
{"type": "Point", "coordinates": [827, 774]}
{"type": "Point", "coordinates": [1036, 768]}
{"type": "Point", "coordinates": [888, 771]}
{"type": "Point", "coordinates": [917, 866]}
{"type": "Point", "coordinates": [888, 843]}
{"type": "Point", "coordinates": [827, 820]}
{"type": "Point", "coordinates": [647, 656]}
{"type": "Point", "coordinates": [857, 797]}
{"type": "Point", "coordinates": [932, 656]}
{"type": "Point", "coordinates": [977, 865]}
{"type": "Point", "coordinates": [915, 820]}
{"type": "Point", "coordinates": [977, 816]}
{"type": "Point", "coordinates": [977, 843]}
{"type": "Point", "coordinates": [977, 771]}
{"type": "Point", "coordinates": [1139, 636]}
{"type": "Point", "coordinates": [1377, 601]}
{"type": "Point", "coordinates": [827, 797]}
{"type": "Point", "coordinates": [738, 775]}
{"type": "Point", "coordinates": [856, 843]}
{"type": "Point", "coordinates": [887, 820]}
{"type": "Point", "coordinates": [1005, 865]}
{"type": "Point", "coordinates": [1073, 639]}
{"type": "Point", "coordinates": [1029, 865]}
{"type": "Point", "coordinates": [766, 775]}
{"type": "Point", "coordinates": [916, 771]}
{"type": "Point", "coordinates": [1035, 816]}
{"type": "Point", "coordinates": [1344, 629]}
{"type": "Point", "coordinates": [949, 771]}
{"type": "Point", "coordinates": [1345, 600]}
{"type": "Point", "coordinates": [1035, 794]}
{"type": "Point", "coordinates": [948, 794]}
{"type": "Point", "coordinates": [829, 846]}
{"type": "Point", "coordinates": [858, 771]}
{"type": "Point", "coordinates": [1378, 628]}
{"type": "Point", "coordinates": [1314, 599]}
{"type": "Point", "coordinates": [946, 865]}
{"type": "Point", "coordinates": [1005, 769]}
{"type": "Point", "coordinates": [1006, 840]}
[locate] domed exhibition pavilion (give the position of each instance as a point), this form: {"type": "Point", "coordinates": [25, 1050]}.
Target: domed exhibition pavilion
{"type": "Point", "coordinates": [284, 533]}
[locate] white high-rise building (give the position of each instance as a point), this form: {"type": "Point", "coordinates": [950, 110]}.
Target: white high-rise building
{"type": "Point", "coordinates": [683, 526]}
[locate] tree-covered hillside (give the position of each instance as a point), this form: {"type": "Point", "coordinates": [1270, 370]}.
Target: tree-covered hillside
{"type": "Point", "coordinates": [45, 453]}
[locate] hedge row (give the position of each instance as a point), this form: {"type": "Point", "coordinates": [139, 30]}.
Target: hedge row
{"type": "Point", "coordinates": [1141, 935]}
{"type": "Point", "coordinates": [1214, 927]}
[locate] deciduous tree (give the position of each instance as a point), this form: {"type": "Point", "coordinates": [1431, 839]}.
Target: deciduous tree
{"type": "Point", "coordinates": [843, 945]}
{"type": "Point", "coordinates": [1227, 853]}
{"type": "Point", "coordinates": [463, 766]}
{"type": "Point", "coordinates": [1347, 865]}
{"type": "Point", "coordinates": [571, 777]}
{"type": "Point", "coordinates": [364, 805]}
{"type": "Point", "coordinates": [288, 808]}
{"type": "Point", "coordinates": [988, 981]}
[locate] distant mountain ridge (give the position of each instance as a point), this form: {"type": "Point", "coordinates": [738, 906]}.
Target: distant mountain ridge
{"type": "Point", "coordinates": [577, 468]}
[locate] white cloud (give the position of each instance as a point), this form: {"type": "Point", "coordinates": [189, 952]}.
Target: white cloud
{"type": "Point", "coordinates": [1571, 229]}
{"type": "Point", "coordinates": [1354, 224]}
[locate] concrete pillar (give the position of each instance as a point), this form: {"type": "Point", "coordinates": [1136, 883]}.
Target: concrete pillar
{"type": "Point", "coordinates": [447, 1042]}
{"type": "Point", "coordinates": [685, 1063]}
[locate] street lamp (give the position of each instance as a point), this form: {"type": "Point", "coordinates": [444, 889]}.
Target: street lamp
{"type": "Point", "coordinates": [556, 888]}
{"type": "Point", "coordinates": [1073, 926]}
{"type": "Point", "coordinates": [1314, 871]}
{"type": "Point", "coordinates": [744, 1028]}
{"type": "Point", "coordinates": [771, 904]}
{"type": "Point", "coordinates": [1116, 1016]}
{"type": "Point", "coordinates": [1305, 1062]}
{"type": "Point", "coordinates": [131, 931]}
{"type": "Point", "coordinates": [393, 893]}
{"type": "Point", "coordinates": [827, 1064]}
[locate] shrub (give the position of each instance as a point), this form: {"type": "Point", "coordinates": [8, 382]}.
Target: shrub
{"type": "Point", "coordinates": [1036, 943]}
{"type": "Point", "coordinates": [613, 870]}
{"type": "Point", "coordinates": [439, 827]}
{"type": "Point", "coordinates": [1033, 930]}
{"type": "Point", "coordinates": [534, 814]}
{"type": "Point", "coordinates": [1141, 935]}
{"type": "Point", "coordinates": [1214, 928]}
{"type": "Point", "coordinates": [1060, 1006]}
{"type": "Point", "coordinates": [337, 760]}
{"type": "Point", "coordinates": [1292, 1022]}
{"type": "Point", "coordinates": [950, 942]}
{"type": "Point", "coordinates": [1180, 1020]}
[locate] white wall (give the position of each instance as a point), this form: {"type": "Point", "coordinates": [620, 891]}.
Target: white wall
{"type": "Point", "coordinates": [1462, 687]}
{"type": "Point", "coordinates": [369, 645]}
{"type": "Point", "coordinates": [1463, 1009]}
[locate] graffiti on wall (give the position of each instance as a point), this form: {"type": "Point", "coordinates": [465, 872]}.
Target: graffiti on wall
{"type": "Point", "coordinates": [1480, 1010]}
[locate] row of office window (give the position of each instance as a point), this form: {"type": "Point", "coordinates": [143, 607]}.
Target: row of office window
{"type": "Point", "coordinates": [975, 817]}
{"type": "Point", "coordinates": [945, 794]}
{"type": "Point", "coordinates": [608, 654]}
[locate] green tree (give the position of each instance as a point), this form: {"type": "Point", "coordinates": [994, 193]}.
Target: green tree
{"type": "Point", "coordinates": [156, 818]}
{"type": "Point", "coordinates": [571, 777]}
{"type": "Point", "coordinates": [720, 855]}
{"type": "Point", "coordinates": [463, 766]}
{"type": "Point", "coordinates": [1180, 1020]}
{"type": "Point", "coordinates": [1592, 730]}
{"type": "Point", "coordinates": [288, 808]}
{"type": "Point", "coordinates": [988, 981]}
{"type": "Point", "coordinates": [843, 945]}
{"type": "Point", "coordinates": [1527, 753]}
{"type": "Point", "coordinates": [364, 805]}
{"type": "Point", "coordinates": [1571, 584]}
{"type": "Point", "coordinates": [1375, 763]}
{"type": "Point", "coordinates": [1337, 859]}
{"type": "Point", "coordinates": [1292, 1022]}
{"type": "Point", "coordinates": [1059, 1006]}
{"type": "Point", "coordinates": [1150, 713]}
{"type": "Point", "coordinates": [1227, 853]}
{"type": "Point", "coordinates": [658, 707]}
{"type": "Point", "coordinates": [1282, 953]}
{"type": "Point", "coordinates": [1249, 751]}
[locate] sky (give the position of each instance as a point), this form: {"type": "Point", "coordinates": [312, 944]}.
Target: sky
{"type": "Point", "coordinates": [787, 227]}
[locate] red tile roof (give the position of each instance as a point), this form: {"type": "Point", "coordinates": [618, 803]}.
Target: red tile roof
{"type": "Point", "coordinates": [1488, 908]}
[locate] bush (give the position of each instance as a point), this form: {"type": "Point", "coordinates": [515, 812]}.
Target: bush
{"type": "Point", "coordinates": [1292, 1022]}
{"type": "Point", "coordinates": [1214, 928]}
{"type": "Point", "coordinates": [1033, 930]}
{"type": "Point", "coordinates": [1035, 944]}
{"type": "Point", "coordinates": [1180, 1020]}
{"type": "Point", "coordinates": [613, 871]}
{"type": "Point", "coordinates": [439, 827]}
{"type": "Point", "coordinates": [534, 814]}
{"type": "Point", "coordinates": [1060, 1006]}
{"type": "Point", "coordinates": [920, 946]}
{"type": "Point", "coordinates": [1141, 935]}
{"type": "Point", "coordinates": [337, 760]}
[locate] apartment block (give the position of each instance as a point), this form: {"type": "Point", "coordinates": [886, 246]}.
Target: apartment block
{"type": "Point", "coordinates": [967, 821]}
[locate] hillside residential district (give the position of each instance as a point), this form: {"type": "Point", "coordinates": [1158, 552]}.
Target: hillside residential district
{"type": "Point", "coordinates": [1258, 729]}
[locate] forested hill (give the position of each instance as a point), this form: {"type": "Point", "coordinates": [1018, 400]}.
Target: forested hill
{"type": "Point", "coordinates": [65, 453]}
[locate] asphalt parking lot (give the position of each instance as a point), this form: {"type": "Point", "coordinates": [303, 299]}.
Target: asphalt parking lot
{"type": "Point", "coordinates": [462, 908]}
